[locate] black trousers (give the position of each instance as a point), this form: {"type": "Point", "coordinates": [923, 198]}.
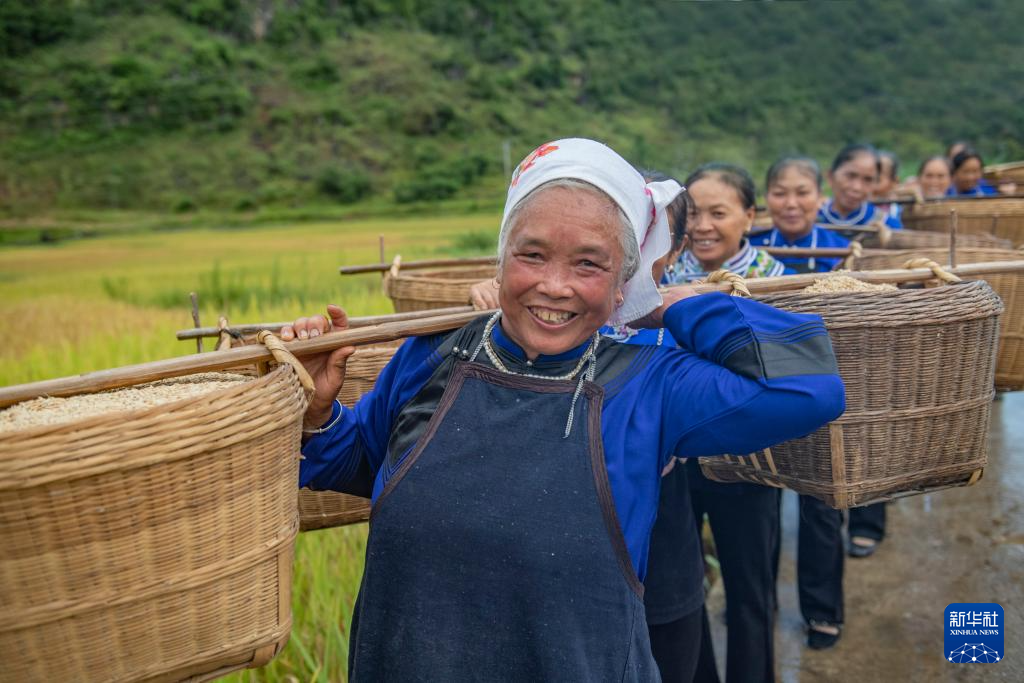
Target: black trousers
{"type": "Point", "coordinates": [819, 564]}
{"type": "Point", "coordinates": [745, 523]}
{"type": "Point", "coordinates": [676, 646]}
{"type": "Point", "coordinates": [868, 521]}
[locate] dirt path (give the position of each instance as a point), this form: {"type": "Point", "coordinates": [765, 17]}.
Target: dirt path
{"type": "Point", "coordinates": [960, 545]}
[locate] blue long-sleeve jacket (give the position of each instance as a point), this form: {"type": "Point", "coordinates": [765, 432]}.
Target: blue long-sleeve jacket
{"type": "Point", "coordinates": [745, 376]}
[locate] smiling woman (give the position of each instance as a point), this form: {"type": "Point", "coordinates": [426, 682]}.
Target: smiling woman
{"type": "Point", "coordinates": [563, 266]}
{"type": "Point", "coordinates": [853, 176]}
{"type": "Point", "coordinates": [515, 464]}
{"type": "Point", "coordinates": [722, 198]}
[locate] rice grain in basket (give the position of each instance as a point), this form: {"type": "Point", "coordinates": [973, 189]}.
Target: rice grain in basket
{"type": "Point", "coordinates": [153, 542]}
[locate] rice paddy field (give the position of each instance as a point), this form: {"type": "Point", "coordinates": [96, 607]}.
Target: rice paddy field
{"type": "Point", "coordinates": [90, 304]}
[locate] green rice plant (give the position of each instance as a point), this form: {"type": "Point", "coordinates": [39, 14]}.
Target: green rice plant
{"type": "Point", "coordinates": [118, 299]}
{"type": "Point", "coordinates": [327, 571]}
{"type": "Point", "coordinates": [477, 242]}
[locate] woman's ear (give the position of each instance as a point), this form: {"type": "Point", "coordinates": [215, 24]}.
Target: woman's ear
{"type": "Point", "coordinates": [673, 256]}
{"type": "Point", "coordinates": [619, 298]}
{"type": "Point", "coordinates": [751, 214]}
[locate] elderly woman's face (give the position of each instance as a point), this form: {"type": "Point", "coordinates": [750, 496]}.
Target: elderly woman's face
{"type": "Point", "coordinates": [934, 178]}
{"type": "Point", "coordinates": [853, 181]}
{"type": "Point", "coordinates": [560, 271]}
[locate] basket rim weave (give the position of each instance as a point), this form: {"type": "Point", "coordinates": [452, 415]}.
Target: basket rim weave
{"type": "Point", "coordinates": [139, 428]}
{"type": "Point", "coordinates": [905, 319]}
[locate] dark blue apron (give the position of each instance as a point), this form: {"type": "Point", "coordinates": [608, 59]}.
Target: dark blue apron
{"type": "Point", "coordinates": [495, 553]}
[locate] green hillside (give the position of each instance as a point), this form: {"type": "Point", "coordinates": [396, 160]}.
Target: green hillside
{"type": "Point", "coordinates": [174, 105]}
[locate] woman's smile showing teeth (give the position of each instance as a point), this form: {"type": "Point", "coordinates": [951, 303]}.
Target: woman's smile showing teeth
{"type": "Point", "coordinates": [551, 316]}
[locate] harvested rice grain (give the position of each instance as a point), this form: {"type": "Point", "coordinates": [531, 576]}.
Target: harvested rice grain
{"type": "Point", "coordinates": [53, 411]}
{"type": "Point", "coordinates": [845, 283]}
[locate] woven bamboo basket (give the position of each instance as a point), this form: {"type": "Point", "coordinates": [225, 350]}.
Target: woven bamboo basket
{"type": "Point", "coordinates": [924, 239]}
{"type": "Point", "coordinates": [152, 544]}
{"type": "Point", "coordinates": [763, 219]}
{"type": "Point", "coordinates": [325, 509]}
{"type": "Point", "coordinates": [421, 290]}
{"type": "Point", "coordinates": [1012, 171]}
{"type": "Point", "coordinates": [1009, 287]}
{"type": "Point", "coordinates": [1002, 217]}
{"type": "Point", "coordinates": [918, 367]}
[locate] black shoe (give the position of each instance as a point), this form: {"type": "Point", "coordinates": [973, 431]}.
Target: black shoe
{"type": "Point", "coordinates": [856, 550]}
{"type": "Point", "coordinates": [819, 640]}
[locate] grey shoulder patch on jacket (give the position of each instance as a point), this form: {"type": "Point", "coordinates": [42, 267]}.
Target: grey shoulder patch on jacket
{"type": "Point", "coordinates": [809, 356]}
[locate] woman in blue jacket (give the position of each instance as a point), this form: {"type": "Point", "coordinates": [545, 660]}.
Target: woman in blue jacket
{"type": "Point", "coordinates": [515, 463]}
{"type": "Point", "coordinates": [793, 195]}
{"type": "Point", "coordinates": [966, 166]}
{"type": "Point", "coordinates": [852, 177]}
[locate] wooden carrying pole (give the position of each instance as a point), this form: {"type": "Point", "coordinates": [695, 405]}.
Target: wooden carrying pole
{"type": "Point", "coordinates": [363, 321]}
{"type": "Point", "coordinates": [861, 229]}
{"type": "Point", "coordinates": [803, 252]}
{"type": "Point", "coordinates": [247, 355]}
{"type": "Point", "coordinates": [807, 252]}
{"type": "Point", "coordinates": [414, 265]}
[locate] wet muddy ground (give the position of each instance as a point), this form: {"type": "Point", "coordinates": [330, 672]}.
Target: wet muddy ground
{"type": "Point", "coordinates": [958, 545]}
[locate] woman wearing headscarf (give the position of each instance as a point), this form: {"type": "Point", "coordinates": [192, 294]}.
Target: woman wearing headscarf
{"type": "Point", "coordinates": [852, 177]}
{"type": "Point", "coordinates": [515, 463]}
{"type": "Point", "coordinates": [674, 584]}
{"type": "Point", "coordinates": [793, 195]}
{"type": "Point", "coordinates": [744, 518]}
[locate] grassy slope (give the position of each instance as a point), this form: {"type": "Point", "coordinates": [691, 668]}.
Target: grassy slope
{"type": "Point", "coordinates": [150, 111]}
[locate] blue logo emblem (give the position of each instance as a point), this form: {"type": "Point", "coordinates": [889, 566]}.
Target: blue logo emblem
{"type": "Point", "coordinates": [974, 633]}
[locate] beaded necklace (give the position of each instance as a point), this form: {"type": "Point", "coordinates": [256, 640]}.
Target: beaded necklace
{"type": "Point", "coordinates": [588, 359]}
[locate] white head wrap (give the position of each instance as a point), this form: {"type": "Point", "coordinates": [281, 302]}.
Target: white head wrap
{"type": "Point", "coordinates": [643, 204]}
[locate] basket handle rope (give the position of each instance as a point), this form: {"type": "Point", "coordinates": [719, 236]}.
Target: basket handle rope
{"type": "Point", "coordinates": [739, 285]}
{"type": "Point", "coordinates": [224, 338]}
{"type": "Point", "coordinates": [936, 269]}
{"type": "Point", "coordinates": [283, 355]}
{"type": "Point", "coordinates": [856, 252]}
{"type": "Point", "coordinates": [884, 234]}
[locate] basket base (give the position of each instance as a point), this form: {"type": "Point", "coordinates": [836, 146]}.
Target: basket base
{"type": "Point", "coordinates": [866, 493]}
{"type": "Point", "coordinates": [226, 663]}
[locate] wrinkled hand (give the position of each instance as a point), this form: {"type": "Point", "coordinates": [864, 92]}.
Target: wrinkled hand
{"type": "Point", "coordinates": [671, 295]}
{"type": "Point", "coordinates": [327, 369]}
{"type": "Point", "coordinates": [484, 295]}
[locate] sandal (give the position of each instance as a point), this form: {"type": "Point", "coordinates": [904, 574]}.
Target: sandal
{"type": "Point", "coordinates": [820, 635]}
{"type": "Point", "coordinates": [861, 546]}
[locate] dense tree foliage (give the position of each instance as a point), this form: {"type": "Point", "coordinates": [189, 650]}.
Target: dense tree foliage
{"type": "Point", "coordinates": [171, 103]}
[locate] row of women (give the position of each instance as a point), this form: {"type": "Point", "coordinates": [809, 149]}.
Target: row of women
{"type": "Point", "coordinates": [957, 173]}
{"type": "Point", "coordinates": [536, 508]}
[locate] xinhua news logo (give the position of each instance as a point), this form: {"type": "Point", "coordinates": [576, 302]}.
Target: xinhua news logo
{"type": "Point", "coordinates": [974, 633]}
